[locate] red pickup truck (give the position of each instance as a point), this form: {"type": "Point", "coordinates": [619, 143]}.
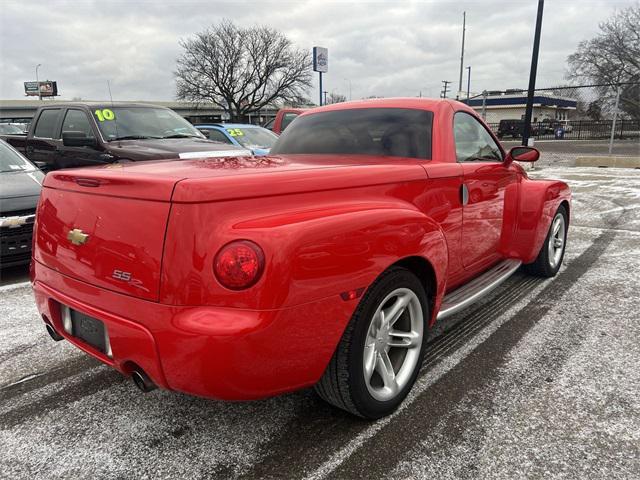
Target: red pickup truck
{"type": "Point", "coordinates": [283, 118]}
{"type": "Point", "coordinates": [325, 263]}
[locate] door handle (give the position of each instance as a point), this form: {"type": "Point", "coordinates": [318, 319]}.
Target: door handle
{"type": "Point", "coordinates": [464, 194]}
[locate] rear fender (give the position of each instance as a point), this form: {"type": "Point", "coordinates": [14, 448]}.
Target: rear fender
{"type": "Point", "coordinates": [538, 203]}
{"type": "Point", "coordinates": [368, 243]}
{"type": "Point", "coordinates": [313, 254]}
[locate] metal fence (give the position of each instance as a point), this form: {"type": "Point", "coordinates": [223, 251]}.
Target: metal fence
{"type": "Point", "coordinates": [574, 112]}
{"type": "Point", "coordinates": [625, 129]}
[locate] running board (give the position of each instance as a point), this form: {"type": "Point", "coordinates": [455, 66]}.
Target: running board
{"type": "Point", "coordinates": [477, 288]}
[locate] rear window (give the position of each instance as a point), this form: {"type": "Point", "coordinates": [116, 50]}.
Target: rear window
{"type": "Point", "coordinates": [395, 132]}
{"type": "Point", "coordinates": [45, 128]}
{"type": "Point", "coordinates": [287, 119]}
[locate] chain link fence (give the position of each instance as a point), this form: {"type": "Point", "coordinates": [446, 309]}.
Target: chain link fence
{"type": "Point", "coordinates": [585, 112]}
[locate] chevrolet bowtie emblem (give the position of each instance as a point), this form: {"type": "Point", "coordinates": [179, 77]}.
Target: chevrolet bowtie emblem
{"type": "Point", "coordinates": [77, 237]}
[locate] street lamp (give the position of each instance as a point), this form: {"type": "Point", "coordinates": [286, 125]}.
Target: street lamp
{"type": "Point", "coordinates": [468, 83]}
{"type": "Point", "coordinates": [38, 81]}
{"type": "Point", "coordinates": [349, 80]}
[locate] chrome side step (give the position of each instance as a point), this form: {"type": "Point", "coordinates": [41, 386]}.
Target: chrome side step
{"type": "Point", "coordinates": [477, 288]}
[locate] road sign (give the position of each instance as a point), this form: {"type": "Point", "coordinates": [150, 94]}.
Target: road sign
{"type": "Point", "coordinates": [320, 59]}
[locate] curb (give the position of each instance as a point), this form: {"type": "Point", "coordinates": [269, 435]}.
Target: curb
{"type": "Point", "coordinates": [608, 161]}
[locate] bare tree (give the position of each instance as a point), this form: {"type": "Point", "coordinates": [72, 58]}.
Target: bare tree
{"type": "Point", "coordinates": [336, 98]}
{"type": "Point", "coordinates": [242, 70]}
{"type": "Point", "coordinates": [613, 57]}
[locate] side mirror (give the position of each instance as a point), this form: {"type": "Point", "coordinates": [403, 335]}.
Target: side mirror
{"type": "Point", "coordinates": [523, 154]}
{"type": "Point", "coordinates": [44, 166]}
{"type": "Point", "coordinates": [77, 139]}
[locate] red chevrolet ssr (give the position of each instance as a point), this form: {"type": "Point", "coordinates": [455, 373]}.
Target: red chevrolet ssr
{"type": "Point", "coordinates": [324, 264]}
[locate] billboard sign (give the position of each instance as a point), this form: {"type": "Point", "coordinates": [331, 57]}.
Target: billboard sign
{"type": "Point", "coordinates": [320, 59]}
{"type": "Point", "coordinates": [44, 89]}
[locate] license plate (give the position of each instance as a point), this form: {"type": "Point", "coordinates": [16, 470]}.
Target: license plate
{"type": "Point", "coordinates": [89, 330]}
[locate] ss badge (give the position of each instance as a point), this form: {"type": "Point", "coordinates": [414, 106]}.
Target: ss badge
{"type": "Point", "coordinates": [120, 275]}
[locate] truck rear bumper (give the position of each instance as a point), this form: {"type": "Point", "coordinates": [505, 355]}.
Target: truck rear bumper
{"type": "Point", "coordinates": [224, 353]}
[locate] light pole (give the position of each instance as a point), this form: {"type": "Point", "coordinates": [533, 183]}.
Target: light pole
{"type": "Point", "coordinates": [464, 29]}
{"type": "Point", "coordinates": [532, 75]}
{"type": "Point", "coordinates": [468, 83]}
{"type": "Point", "coordinates": [38, 81]}
{"type": "Point", "coordinates": [349, 80]}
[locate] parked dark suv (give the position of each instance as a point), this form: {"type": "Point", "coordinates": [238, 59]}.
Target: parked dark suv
{"type": "Point", "coordinates": [79, 134]}
{"type": "Point", "coordinates": [514, 128]}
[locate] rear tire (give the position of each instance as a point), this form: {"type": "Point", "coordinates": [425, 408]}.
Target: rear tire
{"type": "Point", "coordinates": [380, 354]}
{"type": "Point", "coordinates": [551, 254]}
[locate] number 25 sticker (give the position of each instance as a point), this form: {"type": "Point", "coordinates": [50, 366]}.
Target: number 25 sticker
{"type": "Point", "coordinates": [105, 114]}
{"type": "Point", "coordinates": [235, 132]}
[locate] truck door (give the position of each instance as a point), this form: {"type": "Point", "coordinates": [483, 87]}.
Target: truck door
{"type": "Point", "coordinates": [486, 181]}
{"type": "Point", "coordinates": [76, 120]}
{"type": "Point", "coordinates": [43, 143]}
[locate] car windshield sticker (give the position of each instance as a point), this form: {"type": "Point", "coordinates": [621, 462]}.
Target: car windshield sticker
{"type": "Point", "coordinates": [105, 114]}
{"type": "Point", "coordinates": [235, 132]}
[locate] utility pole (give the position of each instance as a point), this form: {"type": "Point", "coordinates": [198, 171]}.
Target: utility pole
{"type": "Point", "coordinates": [38, 82]}
{"type": "Point", "coordinates": [468, 84]}
{"type": "Point", "coordinates": [350, 96]}
{"type": "Point", "coordinates": [532, 76]}
{"type": "Point", "coordinates": [325, 97]}
{"type": "Point", "coordinates": [445, 88]}
{"type": "Point", "coordinates": [464, 28]}
{"type": "Point", "coordinates": [484, 105]}
{"type": "Point", "coordinates": [615, 116]}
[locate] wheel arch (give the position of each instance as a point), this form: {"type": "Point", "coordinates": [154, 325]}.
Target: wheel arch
{"type": "Point", "coordinates": [423, 269]}
{"type": "Point", "coordinates": [538, 203]}
{"type": "Point", "coordinates": [565, 203]}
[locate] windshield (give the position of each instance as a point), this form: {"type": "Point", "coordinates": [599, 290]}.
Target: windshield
{"type": "Point", "coordinates": [253, 137]}
{"type": "Point", "coordinates": [132, 123]}
{"type": "Point", "coordinates": [395, 132]}
{"type": "Point", "coordinates": [8, 129]}
{"type": "Point", "coordinates": [12, 161]}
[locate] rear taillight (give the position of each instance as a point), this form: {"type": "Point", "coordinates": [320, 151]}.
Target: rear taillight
{"type": "Point", "coordinates": [239, 264]}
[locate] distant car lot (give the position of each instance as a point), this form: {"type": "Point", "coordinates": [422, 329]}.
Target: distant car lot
{"type": "Point", "coordinates": [539, 380]}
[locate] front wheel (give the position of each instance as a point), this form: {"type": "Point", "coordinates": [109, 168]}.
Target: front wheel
{"type": "Point", "coordinates": [381, 351]}
{"type": "Point", "coordinates": [551, 254]}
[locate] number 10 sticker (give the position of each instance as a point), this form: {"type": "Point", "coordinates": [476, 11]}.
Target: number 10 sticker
{"type": "Point", "coordinates": [105, 114]}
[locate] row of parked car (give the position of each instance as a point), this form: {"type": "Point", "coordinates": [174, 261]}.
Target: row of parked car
{"type": "Point", "coordinates": [89, 134]}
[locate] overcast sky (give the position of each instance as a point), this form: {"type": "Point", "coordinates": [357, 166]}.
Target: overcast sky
{"type": "Point", "coordinates": [385, 48]}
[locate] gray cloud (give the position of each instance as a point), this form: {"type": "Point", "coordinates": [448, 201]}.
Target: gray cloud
{"type": "Point", "coordinates": [385, 48]}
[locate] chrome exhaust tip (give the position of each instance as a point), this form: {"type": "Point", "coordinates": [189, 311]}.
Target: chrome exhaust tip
{"type": "Point", "coordinates": [142, 381]}
{"type": "Point", "coordinates": [53, 334]}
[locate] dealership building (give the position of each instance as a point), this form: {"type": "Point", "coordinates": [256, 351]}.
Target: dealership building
{"type": "Point", "coordinates": [497, 107]}
{"type": "Point", "coordinates": [512, 106]}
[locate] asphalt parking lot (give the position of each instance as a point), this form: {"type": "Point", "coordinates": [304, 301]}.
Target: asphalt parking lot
{"type": "Point", "coordinates": [540, 380]}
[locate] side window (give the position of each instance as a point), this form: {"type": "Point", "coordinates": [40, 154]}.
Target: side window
{"type": "Point", "coordinates": [77, 121]}
{"type": "Point", "coordinates": [46, 124]}
{"type": "Point", "coordinates": [217, 136]}
{"type": "Point", "coordinates": [287, 119]}
{"type": "Point", "coordinates": [269, 124]}
{"type": "Point", "coordinates": [473, 142]}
